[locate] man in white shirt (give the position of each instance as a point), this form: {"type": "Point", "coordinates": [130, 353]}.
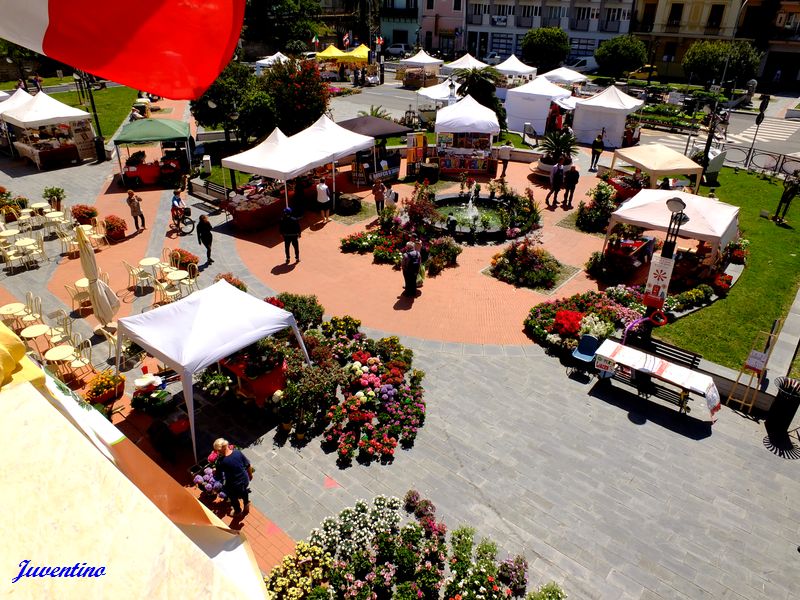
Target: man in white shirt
{"type": "Point", "coordinates": [323, 200]}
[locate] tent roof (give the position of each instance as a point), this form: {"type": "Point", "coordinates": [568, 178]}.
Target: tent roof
{"type": "Point", "coordinates": [564, 75]}
{"type": "Point", "coordinates": [18, 98]}
{"type": "Point", "coordinates": [466, 62]}
{"type": "Point", "coordinates": [3, 95]}
{"type": "Point", "coordinates": [373, 126]}
{"type": "Point", "coordinates": [568, 102]}
{"type": "Point", "coordinates": [613, 99]}
{"type": "Point", "coordinates": [268, 61]}
{"type": "Point", "coordinates": [709, 220]}
{"type": "Point", "coordinates": [421, 59]}
{"type": "Point", "coordinates": [357, 54]}
{"type": "Point", "coordinates": [335, 141]}
{"type": "Point", "coordinates": [514, 66]}
{"type": "Point", "coordinates": [440, 91]}
{"type": "Point", "coordinates": [467, 115]}
{"type": "Point", "coordinates": [153, 130]}
{"type": "Point", "coordinates": [330, 53]}
{"type": "Point", "coordinates": [540, 86]}
{"type": "Point", "coordinates": [43, 110]}
{"type": "Point", "coordinates": [215, 322]}
{"type": "Point", "coordinates": [276, 157]}
{"type": "Point", "coordinates": [657, 158]}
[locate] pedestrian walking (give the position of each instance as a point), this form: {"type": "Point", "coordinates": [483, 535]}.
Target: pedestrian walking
{"type": "Point", "coordinates": [597, 149]}
{"type": "Point", "coordinates": [571, 178]}
{"type": "Point", "coordinates": [379, 192]}
{"type": "Point", "coordinates": [135, 204]}
{"type": "Point", "coordinates": [236, 473]}
{"type": "Point", "coordinates": [504, 154]}
{"type": "Point", "coordinates": [324, 200]}
{"type": "Point", "coordinates": [290, 230]}
{"type": "Point", "coordinates": [204, 236]}
{"type": "Point", "coordinates": [410, 265]}
{"type": "Point", "coordinates": [556, 182]}
{"type": "Point", "coordinates": [390, 195]}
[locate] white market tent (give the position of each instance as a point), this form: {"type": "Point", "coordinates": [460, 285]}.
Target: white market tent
{"type": "Point", "coordinates": [337, 142]}
{"type": "Point", "coordinates": [514, 66]}
{"type": "Point", "coordinates": [565, 75]}
{"type": "Point", "coordinates": [567, 103]}
{"type": "Point", "coordinates": [3, 96]}
{"type": "Point", "coordinates": [467, 116]}
{"type": "Point", "coordinates": [710, 220]}
{"type": "Point", "coordinates": [440, 92]}
{"type": "Point", "coordinates": [657, 160]}
{"type": "Point", "coordinates": [154, 538]}
{"type": "Point", "coordinates": [608, 109]}
{"type": "Point", "coordinates": [465, 62]}
{"type": "Point", "coordinates": [530, 103]}
{"type": "Point", "coordinates": [203, 328]}
{"type": "Point", "coordinates": [420, 59]}
{"type": "Point", "coordinates": [17, 99]}
{"type": "Point", "coordinates": [42, 110]}
{"type": "Point", "coordinates": [268, 61]}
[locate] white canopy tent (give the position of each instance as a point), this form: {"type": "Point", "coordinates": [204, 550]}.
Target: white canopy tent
{"type": "Point", "coordinates": [465, 62]}
{"type": "Point", "coordinates": [710, 220]}
{"type": "Point", "coordinates": [530, 103]}
{"type": "Point", "coordinates": [657, 160]}
{"type": "Point", "coordinates": [439, 92]}
{"type": "Point", "coordinates": [567, 103]}
{"type": "Point", "coordinates": [4, 96]}
{"type": "Point", "coordinates": [268, 61]}
{"type": "Point", "coordinates": [565, 75]}
{"type": "Point", "coordinates": [514, 66]}
{"type": "Point", "coordinates": [42, 110]}
{"type": "Point", "coordinates": [420, 59]}
{"type": "Point", "coordinates": [15, 100]}
{"type": "Point", "coordinates": [608, 109]}
{"type": "Point", "coordinates": [467, 115]}
{"type": "Point", "coordinates": [203, 328]}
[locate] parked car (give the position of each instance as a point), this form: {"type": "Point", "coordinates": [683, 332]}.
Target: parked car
{"type": "Point", "coordinates": [308, 55]}
{"type": "Point", "coordinates": [398, 50]}
{"type": "Point", "coordinates": [492, 58]}
{"type": "Point", "coordinates": [584, 64]}
{"type": "Point", "coordinates": [643, 73]}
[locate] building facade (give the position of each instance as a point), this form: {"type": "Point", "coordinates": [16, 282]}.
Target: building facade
{"type": "Point", "coordinates": [499, 25]}
{"type": "Point", "coordinates": [441, 27]}
{"type": "Point", "coordinates": [400, 21]}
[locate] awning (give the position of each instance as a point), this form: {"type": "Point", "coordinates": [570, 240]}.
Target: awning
{"type": "Point", "coordinates": [374, 127]}
{"type": "Point", "coordinates": [43, 110]}
{"type": "Point", "coordinates": [153, 130]}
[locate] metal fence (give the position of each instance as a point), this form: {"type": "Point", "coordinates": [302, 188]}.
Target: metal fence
{"type": "Point", "coordinates": [753, 159]}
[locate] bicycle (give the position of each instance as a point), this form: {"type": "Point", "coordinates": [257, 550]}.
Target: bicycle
{"type": "Point", "coordinates": [183, 224]}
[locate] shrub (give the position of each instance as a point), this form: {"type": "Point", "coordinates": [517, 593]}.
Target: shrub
{"type": "Point", "coordinates": [596, 265]}
{"type": "Point", "coordinates": [306, 309]}
{"type": "Point", "coordinates": [115, 225]}
{"type": "Point", "coordinates": [83, 212]}
{"type": "Point", "coordinates": [340, 326]}
{"type": "Point", "coordinates": [442, 253]}
{"type": "Point", "coordinates": [594, 216]}
{"type": "Point", "coordinates": [411, 500]}
{"type": "Point", "coordinates": [234, 281]}
{"type": "Point", "coordinates": [525, 263]}
{"type": "Point", "coordinates": [549, 591]}
{"type": "Point", "coordinates": [361, 242]}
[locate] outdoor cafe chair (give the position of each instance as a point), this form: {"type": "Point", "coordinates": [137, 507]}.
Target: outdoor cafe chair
{"type": "Point", "coordinates": [12, 254]}
{"type": "Point", "coordinates": [138, 277]}
{"type": "Point", "coordinates": [69, 245]}
{"type": "Point", "coordinates": [165, 294]}
{"type": "Point", "coordinates": [190, 283]}
{"type": "Point", "coordinates": [82, 360]}
{"type": "Point", "coordinates": [62, 331]}
{"type": "Point", "coordinates": [583, 356]}
{"type": "Point", "coordinates": [78, 298]}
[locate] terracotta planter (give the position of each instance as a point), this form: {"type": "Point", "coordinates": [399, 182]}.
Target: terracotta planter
{"type": "Point", "coordinates": [84, 220]}
{"type": "Point", "coordinates": [116, 235]}
{"type": "Point", "coordinates": [110, 395]}
{"type": "Point", "coordinates": [287, 427]}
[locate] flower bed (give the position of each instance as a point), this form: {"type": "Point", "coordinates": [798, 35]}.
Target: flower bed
{"type": "Point", "coordinates": [526, 263]}
{"type": "Point", "coordinates": [105, 387]}
{"type": "Point", "coordinates": [185, 258]}
{"type": "Point", "coordinates": [233, 280]}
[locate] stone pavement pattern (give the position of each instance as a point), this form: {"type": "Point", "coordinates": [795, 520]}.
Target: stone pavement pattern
{"type": "Point", "coordinates": [611, 496]}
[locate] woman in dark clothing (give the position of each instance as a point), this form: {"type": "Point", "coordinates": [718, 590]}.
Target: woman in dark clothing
{"type": "Point", "coordinates": [204, 236]}
{"type": "Point", "coordinates": [233, 469]}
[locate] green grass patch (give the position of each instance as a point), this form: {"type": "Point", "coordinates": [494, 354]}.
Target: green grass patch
{"type": "Point", "coordinates": [46, 81]}
{"type": "Point", "coordinates": [223, 176]}
{"type": "Point", "coordinates": [113, 106]}
{"type": "Point", "coordinates": [724, 332]}
{"type": "Point", "coordinates": [367, 211]}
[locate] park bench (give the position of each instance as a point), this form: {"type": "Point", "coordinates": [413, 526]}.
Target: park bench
{"type": "Point", "coordinates": [210, 193]}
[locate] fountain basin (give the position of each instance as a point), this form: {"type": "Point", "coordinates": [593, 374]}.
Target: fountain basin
{"type": "Point", "coordinates": [485, 205]}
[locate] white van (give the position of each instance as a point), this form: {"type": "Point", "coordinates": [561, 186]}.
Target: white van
{"type": "Point", "coordinates": [584, 64]}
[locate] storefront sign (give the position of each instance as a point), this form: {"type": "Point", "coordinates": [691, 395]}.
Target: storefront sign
{"type": "Point", "coordinates": [655, 292]}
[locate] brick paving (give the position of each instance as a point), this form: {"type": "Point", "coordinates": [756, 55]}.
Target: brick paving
{"type": "Point", "coordinates": [612, 496]}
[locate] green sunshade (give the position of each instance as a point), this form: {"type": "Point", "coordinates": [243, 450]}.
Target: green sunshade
{"type": "Point", "coordinates": [153, 130]}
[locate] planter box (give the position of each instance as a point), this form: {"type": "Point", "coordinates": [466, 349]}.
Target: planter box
{"type": "Point", "coordinates": [117, 236]}
{"type": "Point", "coordinates": [110, 395]}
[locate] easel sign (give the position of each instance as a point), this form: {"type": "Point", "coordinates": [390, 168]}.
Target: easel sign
{"type": "Point", "coordinates": [655, 292]}
{"type": "Point", "coordinates": [756, 361]}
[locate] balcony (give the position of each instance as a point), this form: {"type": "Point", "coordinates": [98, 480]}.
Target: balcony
{"type": "Point", "coordinates": [499, 20]}
{"type": "Point", "coordinates": [399, 13]}
{"type": "Point", "coordinates": [712, 29]}
{"type": "Point", "coordinates": [579, 24]}
{"type": "Point", "coordinates": [475, 19]}
{"type": "Point", "coordinates": [524, 21]}
{"type": "Point", "coordinates": [672, 27]}
{"type": "Point", "coordinates": [610, 26]}
{"type": "Point", "coordinates": [551, 22]}
{"type": "Point", "coordinates": [643, 27]}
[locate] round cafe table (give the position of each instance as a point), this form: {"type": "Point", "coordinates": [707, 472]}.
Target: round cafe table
{"type": "Point", "coordinates": [178, 275]}
{"type": "Point", "coordinates": [149, 261]}
{"type": "Point", "coordinates": [13, 309]}
{"type": "Point", "coordinates": [82, 283]}
{"type": "Point", "coordinates": [34, 331]}
{"type": "Point", "coordinates": [87, 228]}
{"type": "Point", "coordinates": [9, 233]}
{"type": "Point", "coordinates": [40, 205]}
{"type": "Point", "coordinates": [53, 215]}
{"type": "Point", "coordinates": [59, 353]}
{"type": "Point", "coordinates": [24, 242]}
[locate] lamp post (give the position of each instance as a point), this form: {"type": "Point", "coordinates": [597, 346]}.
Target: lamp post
{"type": "Point", "coordinates": [676, 206]}
{"type": "Point", "coordinates": [451, 99]}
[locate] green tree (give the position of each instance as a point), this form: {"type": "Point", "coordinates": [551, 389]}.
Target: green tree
{"type": "Point", "coordinates": [375, 111]}
{"type": "Point", "coordinates": [705, 60]}
{"type": "Point", "coordinates": [744, 62]}
{"type": "Point", "coordinates": [481, 84]}
{"type": "Point", "coordinates": [299, 95]}
{"type": "Point", "coordinates": [620, 54]}
{"type": "Point", "coordinates": [18, 56]}
{"type": "Point", "coordinates": [276, 22]}
{"type": "Point", "coordinates": [545, 48]}
{"type": "Point", "coordinates": [223, 100]}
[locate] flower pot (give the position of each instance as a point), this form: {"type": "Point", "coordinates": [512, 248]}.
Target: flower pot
{"type": "Point", "coordinates": [110, 395]}
{"type": "Point", "coordinates": [299, 435]}
{"type": "Point", "coordinates": [287, 427]}
{"type": "Point", "coordinates": [116, 235]}
{"type": "Point", "coordinates": [84, 220]}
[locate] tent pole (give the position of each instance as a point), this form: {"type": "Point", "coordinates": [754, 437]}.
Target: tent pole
{"type": "Point", "coordinates": [300, 341]}
{"type": "Point", "coordinates": [121, 174]}
{"type": "Point", "coordinates": [188, 156]}
{"type": "Point", "coordinates": [120, 337]}
{"type": "Point", "coordinates": [333, 175]}
{"type": "Point", "coordinates": [286, 192]}
{"type": "Point", "coordinates": [374, 165]}
{"type": "Point", "coordinates": [188, 398]}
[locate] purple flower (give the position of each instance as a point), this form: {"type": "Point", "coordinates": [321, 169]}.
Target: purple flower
{"type": "Point", "coordinates": [198, 479]}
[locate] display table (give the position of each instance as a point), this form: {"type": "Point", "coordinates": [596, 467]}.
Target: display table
{"type": "Point", "coordinates": [261, 388]}
{"type": "Point", "coordinates": [458, 163]}
{"type": "Point", "coordinates": [631, 254]}
{"type": "Point", "coordinates": [44, 155]}
{"type": "Point", "coordinates": [624, 189]}
{"type": "Point", "coordinates": [253, 214]}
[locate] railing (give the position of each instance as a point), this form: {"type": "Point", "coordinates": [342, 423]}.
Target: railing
{"type": "Point", "coordinates": [644, 27]}
{"type": "Point", "coordinates": [551, 22]}
{"type": "Point", "coordinates": [579, 24]}
{"type": "Point", "coordinates": [524, 21]}
{"type": "Point", "coordinates": [672, 27]}
{"type": "Point", "coordinates": [753, 159]}
{"type": "Point", "coordinates": [612, 26]}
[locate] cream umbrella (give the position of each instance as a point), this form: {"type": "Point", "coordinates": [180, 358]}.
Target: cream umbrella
{"type": "Point", "coordinates": [104, 301]}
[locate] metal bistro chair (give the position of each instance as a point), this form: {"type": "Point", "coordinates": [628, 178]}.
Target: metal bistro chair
{"type": "Point", "coordinates": [583, 356]}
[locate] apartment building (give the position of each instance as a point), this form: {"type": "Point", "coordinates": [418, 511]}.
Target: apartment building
{"type": "Point", "coordinates": [400, 21]}
{"type": "Point", "coordinates": [500, 25]}
{"type": "Point", "coordinates": [441, 26]}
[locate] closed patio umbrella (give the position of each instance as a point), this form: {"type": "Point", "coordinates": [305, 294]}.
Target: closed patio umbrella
{"type": "Point", "coordinates": [104, 301]}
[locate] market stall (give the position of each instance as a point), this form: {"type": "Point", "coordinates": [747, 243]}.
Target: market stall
{"type": "Point", "coordinates": [380, 164]}
{"type": "Point", "coordinates": [420, 70]}
{"type": "Point", "coordinates": [50, 133]}
{"type": "Point", "coordinates": [514, 67]}
{"type": "Point", "coordinates": [18, 98]}
{"type": "Point", "coordinates": [465, 62]}
{"type": "Point", "coordinates": [530, 103]}
{"type": "Point", "coordinates": [607, 110]}
{"type": "Point", "coordinates": [657, 160]}
{"type": "Point", "coordinates": [464, 138]}
{"type": "Point", "coordinates": [174, 160]}
{"type": "Point", "coordinates": [564, 75]}
{"type": "Point", "coordinates": [269, 61]}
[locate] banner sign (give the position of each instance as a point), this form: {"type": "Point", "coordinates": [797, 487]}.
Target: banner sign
{"type": "Point", "coordinates": [655, 292]}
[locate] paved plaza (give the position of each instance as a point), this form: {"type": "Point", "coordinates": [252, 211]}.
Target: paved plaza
{"type": "Point", "coordinates": [611, 496]}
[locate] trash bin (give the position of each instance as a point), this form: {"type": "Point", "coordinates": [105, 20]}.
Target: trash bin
{"type": "Point", "coordinates": [784, 408]}
{"type": "Point", "coordinates": [100, 148]}
{"type": "Point", "coordinates": [206, 164]}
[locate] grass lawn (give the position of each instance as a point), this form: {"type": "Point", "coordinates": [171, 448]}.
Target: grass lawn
{"type": "Point", "coordinates": [113, 106]}
{"type": "Point", "coordinates": [223, 176]}
{"type": "Point", "coordinates": [723, 332]}
{"type": "Point", "coordinates": [12, 85]}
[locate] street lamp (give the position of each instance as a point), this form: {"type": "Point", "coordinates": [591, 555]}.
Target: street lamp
{"type": "Point", "coordinates": [452, 98]}
{"type": "Point", "coordinates": [676, 206]}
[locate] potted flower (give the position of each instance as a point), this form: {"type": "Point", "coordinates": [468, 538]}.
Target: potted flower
{"type": "Point", "coordinates": [234, 281]}
{"type": "Point", "coordinates": [54, 195]}
{"type": "Point", "coordinates": [215, 384]}
{"type": "Point", "coordinates": [155, 403]}
{"type": "Point", "coordinates": [185, 258]}
{"type": "Point", "coordinates": [83, 213]}
{"type": "Point", "coordinates": [115, 227]}
{"type": "Point", "coordinates": [556, 145]}
{"type": "Point", "coordinates": [105, 387]}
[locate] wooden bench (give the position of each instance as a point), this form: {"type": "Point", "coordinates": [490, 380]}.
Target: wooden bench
{"type": "Point", "coordinates": [210, 193]}
{"type": "Point", "coordinates": [673, 354]}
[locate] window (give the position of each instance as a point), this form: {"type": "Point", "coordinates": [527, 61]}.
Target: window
{"type": "Point", "coordinates": [477, 9]}
{"type": "Point", "coordinates": [400, 36]}
{"type": "Point", "coordinates": [388, 3]}
{"type": "Point", "coordinates": [670, 49]}
{"type": "Point", "coordinates": [675, 14]}
{"type": "Point", "coordinates": [504, 10]}
{"type": "Point", "coordinates": [582, 47]}
{"type": "Point", "coordinates": [429, 5]}
{"type": "Point", "coordinates": [556, 12]}
{"type": "Point", "coordinates": [715, 15]}
{"type": "Point", "coordinates": [486, 9]}
{"type": "Point", "coordinates": [456, 5]}
{"type": "Point", "coordinates": [502, 43]}
{"type": "Point", "coordinates": [530, 10]}
{"type": "Point", "coordinates": [618, 14]}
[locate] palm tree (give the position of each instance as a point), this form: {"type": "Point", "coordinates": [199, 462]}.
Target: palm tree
{"type": "Point", "coordinates": [481, 85]}
{"type": "Point", "coordinates": [558, 144]}
{"type": "Point", "coordinates": [375, 111]}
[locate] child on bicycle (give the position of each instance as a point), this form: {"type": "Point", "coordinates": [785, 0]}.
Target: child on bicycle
{"type": "Point", "coordinates": [177, 206]}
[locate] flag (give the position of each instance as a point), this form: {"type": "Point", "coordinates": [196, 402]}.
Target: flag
{"type": "Point", "coordinates": [379, 40]}
{"type": "Point", "coordinates": [315, 40]}
{"type": "Point", "coordinates": [171, 48]}
{"type": "Point", "coordinates": [346, 40]}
